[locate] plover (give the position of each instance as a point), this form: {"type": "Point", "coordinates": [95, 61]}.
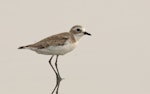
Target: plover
{"type": "Point", "coordinates": [58, 44]}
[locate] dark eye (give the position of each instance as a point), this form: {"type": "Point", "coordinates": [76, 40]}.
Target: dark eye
{"type": "Point", "coordinates": [78, 29]}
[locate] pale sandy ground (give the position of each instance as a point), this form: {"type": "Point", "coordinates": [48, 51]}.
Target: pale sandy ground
{"type": "Point", "coordinates": [115, 60]}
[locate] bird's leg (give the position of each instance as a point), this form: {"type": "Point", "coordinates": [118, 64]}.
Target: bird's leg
{"type": "Point", "coordinates": [58, 78]}
{"type": "Point", "coordinates": [57, 68]}
{"type": "Point", "coordinates": [55, 73]}
{"type": "Point", "coordinates": [52, 65]}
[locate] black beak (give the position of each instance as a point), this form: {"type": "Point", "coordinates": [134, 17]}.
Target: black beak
{"type": "Point", "coordinates": [86, 33]}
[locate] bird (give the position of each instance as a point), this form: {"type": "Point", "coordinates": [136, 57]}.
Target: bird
{"type": "Point", "coordinates": [58, 44]}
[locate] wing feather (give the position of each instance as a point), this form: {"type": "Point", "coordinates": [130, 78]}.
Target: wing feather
{"type": "Point", "coordinates": [55, 40]}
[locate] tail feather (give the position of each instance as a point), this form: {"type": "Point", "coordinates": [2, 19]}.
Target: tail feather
{"type": "Point", "coordinates": [22, 47]}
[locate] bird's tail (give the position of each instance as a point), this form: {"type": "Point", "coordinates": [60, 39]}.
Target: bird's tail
{"type": "Point", "coordinates": [22, 47]}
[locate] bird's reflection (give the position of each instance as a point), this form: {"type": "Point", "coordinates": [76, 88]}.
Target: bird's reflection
{"type": "Point", "coordinates": [58, 77]}
{"type": "Point", "coordinates": [56, 88]}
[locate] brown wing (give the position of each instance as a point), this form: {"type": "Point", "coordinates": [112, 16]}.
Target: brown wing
{"type": "Point", "coordinates": [55, 40]}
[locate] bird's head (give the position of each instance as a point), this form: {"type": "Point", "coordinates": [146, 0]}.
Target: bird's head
{"type": "Point", "coordinates": [78, 31]}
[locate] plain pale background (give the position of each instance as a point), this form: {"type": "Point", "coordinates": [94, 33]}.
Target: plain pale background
{"type": "Point", "coordinates": [115, 60]}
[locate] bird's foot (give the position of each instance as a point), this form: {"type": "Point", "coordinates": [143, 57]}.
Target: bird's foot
{"type": "Point", "coordinates": [59, 78]}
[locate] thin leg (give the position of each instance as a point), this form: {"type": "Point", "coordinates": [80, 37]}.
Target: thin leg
{"type": "Point", "coordinates": [58, 78]}
{"type": "Point", "coordinates": [57, 67]}
{"type": "Point", "coordinates": [52, 65]}
{"type": "Point", "coordinates": [55, 73]}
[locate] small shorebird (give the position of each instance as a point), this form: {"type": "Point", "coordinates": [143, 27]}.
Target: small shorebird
{"type": "Point", "coordinates": [58, 44]}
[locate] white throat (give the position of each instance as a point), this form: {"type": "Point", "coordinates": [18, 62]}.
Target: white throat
{"type": "Point", "coordinates": [77, 36]}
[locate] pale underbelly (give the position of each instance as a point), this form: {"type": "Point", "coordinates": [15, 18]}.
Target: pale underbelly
{"type": "Point", "coordinates": [56, 50]}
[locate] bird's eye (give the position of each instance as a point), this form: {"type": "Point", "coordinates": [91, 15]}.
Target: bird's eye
{"type": "Point", "coordinates": [78, 29]}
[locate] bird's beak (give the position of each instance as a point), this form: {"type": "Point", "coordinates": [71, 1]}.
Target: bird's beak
{"type": "Point", "coordinates": [86, 33]}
